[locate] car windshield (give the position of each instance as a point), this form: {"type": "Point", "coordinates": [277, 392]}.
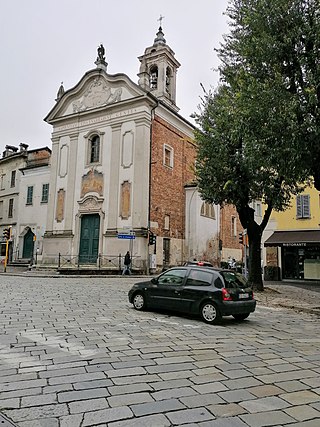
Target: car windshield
{"type": "Point", "coordinates": [234, 280]}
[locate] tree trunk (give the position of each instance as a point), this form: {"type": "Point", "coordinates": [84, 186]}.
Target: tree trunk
{"type": "Point", "coordinates": [254, 230]}
{"type": "Point", "coordinates": [255, 273]}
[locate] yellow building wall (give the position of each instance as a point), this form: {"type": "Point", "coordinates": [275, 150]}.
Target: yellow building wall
{"type": "Point", "coordinates": [288, 220]}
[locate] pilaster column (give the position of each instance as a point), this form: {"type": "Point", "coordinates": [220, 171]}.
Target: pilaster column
{"type": "Point", "coordinates": [53, 183]}
{"type": "Point", "coordinates": [71, 181]}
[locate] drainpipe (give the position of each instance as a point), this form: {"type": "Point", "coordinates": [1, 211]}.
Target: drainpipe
{"type": "Point", "coordinates": [149, 196]}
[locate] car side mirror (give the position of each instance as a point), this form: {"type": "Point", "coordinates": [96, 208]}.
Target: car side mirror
{"type": "Point", "coordinates": [154, 280]}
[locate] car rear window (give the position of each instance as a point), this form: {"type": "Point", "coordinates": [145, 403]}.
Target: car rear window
{"type": "Point", "coordinates": [200, 263]}
{"type": "Point", "coordinates": [199, 277]}
{"type": "Point", "coordinates": [234, 280]}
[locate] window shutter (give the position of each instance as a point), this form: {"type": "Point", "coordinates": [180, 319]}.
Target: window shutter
{"type": "Point", "coordinates": [306, 206]}
{"type": "Point", "coordinates": [299, 207]}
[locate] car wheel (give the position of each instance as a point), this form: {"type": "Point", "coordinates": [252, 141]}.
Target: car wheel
{"type": "Point", "coordinates": [210, 313]}
{"type": "Point", "coordinates": [138, 301]}
{"type": "Point", "coordinates": [241, 316]}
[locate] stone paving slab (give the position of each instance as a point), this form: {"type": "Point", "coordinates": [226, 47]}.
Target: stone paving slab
{"type": "Point", "coordinates": [93, 360]}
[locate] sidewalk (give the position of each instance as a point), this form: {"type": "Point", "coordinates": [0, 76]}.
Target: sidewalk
{"type": "Point", "coordinates": [299, 296]}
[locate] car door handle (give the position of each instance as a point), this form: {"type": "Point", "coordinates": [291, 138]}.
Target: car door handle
{"type": "Point", "coordinates": [177, 292]}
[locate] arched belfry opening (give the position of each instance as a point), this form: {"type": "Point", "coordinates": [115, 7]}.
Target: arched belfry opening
{"type": "Point", "coordinates": [158, 70]}
{"type": "Point", "coordinates": [153, 79]}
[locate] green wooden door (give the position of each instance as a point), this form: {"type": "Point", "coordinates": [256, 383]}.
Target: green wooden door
{"type": "Point", "coordinates": [28, 243]}
{"type": "Point", "coordinates": [89, 239]}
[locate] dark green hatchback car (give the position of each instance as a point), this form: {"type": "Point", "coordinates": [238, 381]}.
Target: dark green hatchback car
{"type": "Point", "coordinates": [205, 291]}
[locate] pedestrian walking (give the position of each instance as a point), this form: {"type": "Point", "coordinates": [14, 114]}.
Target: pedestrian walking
{"type": "Point", "coordinates": [127, 263]}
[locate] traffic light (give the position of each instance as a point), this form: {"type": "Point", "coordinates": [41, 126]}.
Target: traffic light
{"type": "Point", "coordinates": [241, 238]}
{"type": "Point", "coordinates": [7, 233]}
{"type": "Point", "coordinates": [152, 238]}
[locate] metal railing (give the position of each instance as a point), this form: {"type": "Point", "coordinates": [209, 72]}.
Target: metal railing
{"type": "Point", "coordinates": [100, 262]}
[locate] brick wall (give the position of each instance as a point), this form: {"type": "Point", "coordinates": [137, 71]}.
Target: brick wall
{"type": "Point", "coordinates": [230, 242]}
{"type": "Point", "coordinates": [167, 184]}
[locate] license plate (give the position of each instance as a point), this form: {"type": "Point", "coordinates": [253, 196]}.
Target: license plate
{"type": "Point", "coordinates": [243, 296]}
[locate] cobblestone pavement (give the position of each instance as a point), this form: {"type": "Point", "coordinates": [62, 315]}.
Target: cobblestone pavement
{"type": "Point", "coordinates": [73, 353]}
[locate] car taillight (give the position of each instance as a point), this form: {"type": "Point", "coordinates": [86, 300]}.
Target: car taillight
{"type": "Point", "coordinates": [200, 263]}
{"type": "Point", "coordinates": [225, 295]}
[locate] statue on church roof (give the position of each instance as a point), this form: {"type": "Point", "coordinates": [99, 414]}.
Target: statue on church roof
{"type": "Point", "coordinates": [101, 53]}
{"type": "Point", "coordinates": [60, 92]}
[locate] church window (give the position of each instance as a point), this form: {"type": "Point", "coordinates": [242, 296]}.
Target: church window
{"type": "Point", "coordinates": [168, 156]}
{"type": "Point", "coordinates": [207, 210]}
{"type": "Point", "coordinates": [154, 77]}
{"type": "Point", "coordinates": [94, 149]}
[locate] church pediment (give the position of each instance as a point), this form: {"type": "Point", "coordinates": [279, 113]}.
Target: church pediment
{"type": "Point", "coordinates": [98, 93]}
{"type": "Point", "coordinates": [95, 90]}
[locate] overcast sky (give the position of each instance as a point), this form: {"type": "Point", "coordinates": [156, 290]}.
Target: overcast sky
{"type": "Point", "coordinates": [45, 42]}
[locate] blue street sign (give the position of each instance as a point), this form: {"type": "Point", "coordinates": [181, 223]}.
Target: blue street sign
{"type": "Point", "coordinates": [126, 236]}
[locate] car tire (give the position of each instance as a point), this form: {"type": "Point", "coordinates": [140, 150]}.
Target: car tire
{"type": "Point", "coordinates": [210, 313]}
{"type": "Point", "coordinates": [138, 301]}
{"type": "Point", "coordinates": [241, 316]}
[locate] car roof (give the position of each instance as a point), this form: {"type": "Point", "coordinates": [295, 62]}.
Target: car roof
{"type": "Point", "coordinates": [206, 267]}
{"type": "Point", "coordinates": [200, 263]}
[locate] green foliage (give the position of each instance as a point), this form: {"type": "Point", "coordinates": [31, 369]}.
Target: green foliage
{"type": "Point", "coordinates": [259, 131]}
{"type": "Point", "coordinates": [272, 56]}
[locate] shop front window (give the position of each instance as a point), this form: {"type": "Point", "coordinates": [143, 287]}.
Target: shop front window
{"type": "Point", "coordinates": [301, 263]}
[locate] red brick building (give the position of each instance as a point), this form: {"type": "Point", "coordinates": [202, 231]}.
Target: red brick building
{"type": "Point", "coordinates": [172, 161]}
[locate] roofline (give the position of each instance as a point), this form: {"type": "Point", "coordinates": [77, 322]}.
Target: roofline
{"type": "Point", "coordinates": [175, 112]}
{"type": "Point", "coordinates": [148, 93]}
{"type": "Point", "coordinates": [24, 153]}
{"type": "Point", "coordinates": [101, 72]}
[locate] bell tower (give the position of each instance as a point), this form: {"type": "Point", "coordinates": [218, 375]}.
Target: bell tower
{"type": "Point", "coordinates": [158, 70]}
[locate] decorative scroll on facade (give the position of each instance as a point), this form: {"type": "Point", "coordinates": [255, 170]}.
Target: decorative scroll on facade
{"type": "Point", "coordinates": [97, 94]}
{"type": "Point", "coordinates": [125, 200]}
{"type": "Point", "coordinates": [60, 205]}
{"type": "Point", "coordinates": [91, 204]}
{"type": "Point", "coordinates": [92, 182]}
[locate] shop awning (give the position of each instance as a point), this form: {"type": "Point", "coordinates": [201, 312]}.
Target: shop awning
{"type": "Point", "coordinates": [294, 238]}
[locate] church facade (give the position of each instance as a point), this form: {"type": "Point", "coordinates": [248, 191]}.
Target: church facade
{"type": "Point", "coordinates": [121, 156]}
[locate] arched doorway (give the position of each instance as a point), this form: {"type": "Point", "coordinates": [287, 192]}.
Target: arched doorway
{"type": "Point", "coordinates": [28, 243]}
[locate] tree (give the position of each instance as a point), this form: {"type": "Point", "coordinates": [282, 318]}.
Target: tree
{"type": "Point", "coordinates": [258, 128]}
